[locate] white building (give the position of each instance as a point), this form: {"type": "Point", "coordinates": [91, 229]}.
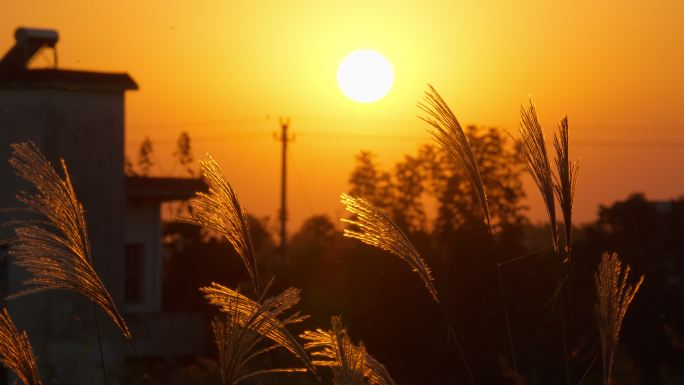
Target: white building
{"type": "Point", "coordinates": [79, 116]}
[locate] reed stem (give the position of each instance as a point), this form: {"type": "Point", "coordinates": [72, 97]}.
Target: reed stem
{"type": "Point", "coordinates": [99, 343]}
{"type": "Point", "coordinates": [459, 348]}
{"type": "Point", "coordinates": [504, 302]}
{"type": "Point", "coordinates": [146, 372]}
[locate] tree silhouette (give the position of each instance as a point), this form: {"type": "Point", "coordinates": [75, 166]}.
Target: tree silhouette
{"type": "Point", "coordinates": [145, 157]}
{"type": "Point", "coordinates": [368, 182]}
{"type": "Point", "coordinates": [183, 153]}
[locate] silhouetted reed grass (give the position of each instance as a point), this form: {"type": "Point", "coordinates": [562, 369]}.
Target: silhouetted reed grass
{"type": "Point", "coordinates": [220, 210]}
{"type": "Point", "coordinates": [532, 148]}
{"type": "Point", "coordinates": [350, 364]}
{"type": "Point", "coordinates": [449, 134]}
{"type": "Point", "coordinates": [247, 322]}
{"type": "Point", "coordinates": [373, 227]}
{"type": "Point", "coordinates": [261, 318]}
{"type": "Point", "coordinates": [565, 179]}
{"type": "Point", "coordinates": [55, 249]}
{"type": "Point", "coordinates": [15, 351]}
{"type": "Point", "coordinates": [245, 325]}
{"type": "Point", "coordinates": [614, 293]}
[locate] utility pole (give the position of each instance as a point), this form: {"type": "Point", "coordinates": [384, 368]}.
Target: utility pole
{"type": "Point", "coordinates": [284, 138]}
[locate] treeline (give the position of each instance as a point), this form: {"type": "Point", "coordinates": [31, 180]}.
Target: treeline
{"type": "Point", "coordinates": [386, 305]}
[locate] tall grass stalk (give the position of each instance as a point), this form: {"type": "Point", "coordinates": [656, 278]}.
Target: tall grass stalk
{"type": "Point", "coordinates": [350, 364]}
{"type": "Point", "coordinates": [374, 228]}
{"type": "Point", "coordinates": [614, 295]}
{"type": "Point", "coordinates": [221, 211]}
{"type": "Point", "coordinates": [16, 353]}
{"type": "Point", "coordinates": [448, 133]}
{"type": "Point", "coordinates": [248, 323]}
{"type": "Point", "coordinates": [532, 147]}
{"type": "Point", "coordinates": [561, 185]}
{"type": "Point", "coordinates": [55, 249]}
{"type": "Point", "coordinates": [565, 180]}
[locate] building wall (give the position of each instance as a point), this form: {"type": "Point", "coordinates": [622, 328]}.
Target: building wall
{"type": "Point", "coordinates": [86, 129]}
{"type": "Point", "coordinates": [143, 226]}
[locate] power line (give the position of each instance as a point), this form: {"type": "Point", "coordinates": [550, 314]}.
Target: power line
{"type": "Point", "coordinates": [619, 143]}
{"type": "Point", "coordinates": [313, 118]}
{"type": "Point", "coordinates": [321, 134]}
{"type": "Point", "coordinates": [210, 138]}
{"type": "Point", "coordinates": [200, 123]}
{"type": "Point", "coordinates": [382, 137]}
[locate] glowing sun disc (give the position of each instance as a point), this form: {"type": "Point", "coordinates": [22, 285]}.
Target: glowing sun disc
{"type": "Point", "coordinates": [365, 76]}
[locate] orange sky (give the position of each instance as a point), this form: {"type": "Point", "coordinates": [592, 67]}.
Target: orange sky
{"type": "Point", "coordinates": [224, 71]}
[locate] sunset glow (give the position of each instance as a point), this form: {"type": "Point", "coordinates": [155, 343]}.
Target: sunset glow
{"type": "Point", "coordinates": [218, 70]}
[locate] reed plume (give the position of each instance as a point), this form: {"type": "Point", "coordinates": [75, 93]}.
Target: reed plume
{"type": "Point", "coordinates": [448, 133]}
{"type": "Point", "coordinates": [236, 347]}
{"type": "Point", "coordinates": [248, 322]}
{"type": "Point", "coordinates": [565, 179]}
{"type": "Point", "coordinates": [614, 294]}
{"type": "Point", "coordinates": [220, 210]}
{"type": "Point", "coordinates": [535, 157]}
{"type": "Point", "coordinates": [16, 353]}
{"type": "Point", "coordinates": [350, 364]}
{"type": "Point", "coordinates": [373, 227]}
{"type": "Point", "coordinates": [55, 250]}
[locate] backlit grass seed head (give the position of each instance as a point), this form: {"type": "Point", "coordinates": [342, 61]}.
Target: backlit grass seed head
{"type": "Point", "coordinates": [448, 133]}
{"type": "Point", "coordinates": [55, 250]}
{"type": "Point", "coordinates": [220, 210]}
{"type": "Point", "coordinates": [16, 353]}
{"type": "Point", "coordinates": [614, 294]}
{"type": "Point", "coordinates": [261, 318]}
{"type": "Point", "coordinates": [535, 157]}
{"type": "Point", "coordinates": [237, 346]}
{"type": "Point", "coordinates": [565, 178]}
{"type": "Point", "coordinates": [372, 227]}
{"type": "Point", "coordinates": [351, 364]}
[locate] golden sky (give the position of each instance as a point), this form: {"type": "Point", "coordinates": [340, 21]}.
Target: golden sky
{"type": "Point", "coordinates": [225, 71]}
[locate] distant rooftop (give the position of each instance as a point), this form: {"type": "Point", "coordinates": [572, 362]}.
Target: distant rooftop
{"type": "Point", "coordinates": [146, 189]}
{"type": "Point", "coordinates": [14, 71]}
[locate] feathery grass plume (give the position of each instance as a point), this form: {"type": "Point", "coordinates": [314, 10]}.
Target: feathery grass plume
{"type": "Point", "coordinates": [614, 294]}
{"type": "Point", "coordinates": [566, 179]}
{"type": "Point", "coordinates": [533, 150]}
{"type": "Point", "coordinates": [350, 364]}
{"type": "Point", "coordinates": [220, 210]}
{"type": "Point", "coordinates": [16, 353]}
{"type": "Point", "coordinates": [55, 250]}
{"type": "Point", "coordinates": [237, 346]}
{"type": "Point", "coordinates": [260, 318]}
{"type": "Point", "coordinates": [378, 230]}
{"type": "Point", "coordinates": [450, 136]}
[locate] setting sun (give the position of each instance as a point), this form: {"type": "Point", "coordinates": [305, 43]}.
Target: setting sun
{"type": "Point", "coordinates": [365, 76]}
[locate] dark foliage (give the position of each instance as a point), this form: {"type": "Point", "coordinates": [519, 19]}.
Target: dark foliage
{"type": "Point", "coordinates": [387, 307]}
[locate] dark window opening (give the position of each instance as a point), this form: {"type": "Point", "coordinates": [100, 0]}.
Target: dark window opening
{"type": "Point", "coordinates": [135, 257]}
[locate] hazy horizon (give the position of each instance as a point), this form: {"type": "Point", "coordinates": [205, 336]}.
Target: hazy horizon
{"type": "Point", "coordinates": [226, 72]}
